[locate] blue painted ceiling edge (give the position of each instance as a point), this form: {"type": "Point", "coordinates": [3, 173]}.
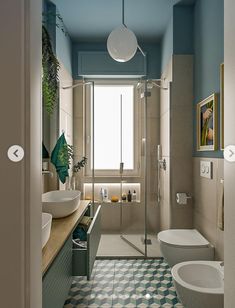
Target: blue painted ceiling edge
{"type": "Point", "coordinates": [92, 21]}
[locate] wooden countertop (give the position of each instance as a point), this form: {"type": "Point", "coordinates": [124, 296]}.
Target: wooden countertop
{"type": "Point", "coordinates": [60, 230]}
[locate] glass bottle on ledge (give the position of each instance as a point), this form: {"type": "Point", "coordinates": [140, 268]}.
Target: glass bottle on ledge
{"type": "Point", "coordinates": [70, 183]}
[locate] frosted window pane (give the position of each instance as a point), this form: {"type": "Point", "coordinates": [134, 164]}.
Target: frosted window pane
{"type": "Point", "coordinates": [107, 127]}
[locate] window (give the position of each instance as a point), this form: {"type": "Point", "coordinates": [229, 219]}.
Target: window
{"type": "Point", "coordinates": [115, 131]}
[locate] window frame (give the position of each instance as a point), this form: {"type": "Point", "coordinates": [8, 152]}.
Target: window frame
{"type": "Point", "coordinates": [135, 172]}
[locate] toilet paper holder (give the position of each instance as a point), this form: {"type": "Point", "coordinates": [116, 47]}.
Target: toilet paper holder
{"type": "Point", "coordinates": [182, 198]}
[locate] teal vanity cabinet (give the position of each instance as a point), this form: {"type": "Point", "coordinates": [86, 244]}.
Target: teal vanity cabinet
{"type": "Point", "coordinates": [69, 262]}
{"type": "Point", "coordinates": [83, 259]}
{"type": "Point", "coordinates": [58, 278]}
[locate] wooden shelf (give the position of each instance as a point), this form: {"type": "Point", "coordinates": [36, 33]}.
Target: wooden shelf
{"type": "Point", "coordinates": [60, 231]}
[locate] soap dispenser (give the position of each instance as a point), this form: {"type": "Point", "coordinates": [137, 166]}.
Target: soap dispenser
{"type": "Point", "coordinates": [134, 196]}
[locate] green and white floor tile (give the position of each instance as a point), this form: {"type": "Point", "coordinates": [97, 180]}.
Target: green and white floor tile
{"type": "Point", "coordinates": [125, 283]}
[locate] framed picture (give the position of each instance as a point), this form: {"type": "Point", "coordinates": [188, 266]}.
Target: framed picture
{"type": "Point", "coordinates": [222, 106]}
{"type": "Point", "coordinates": [207, 124]}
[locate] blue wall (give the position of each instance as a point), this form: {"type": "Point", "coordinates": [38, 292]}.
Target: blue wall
{"type": "Point", "coordinates": [198, 30]}
{"type": "Point", "coordinates": [183, 17]}
{"type": "Point", "coordinates": [209, 54]}
{"type": "Point", "coordinates": [178, 38]}
{"type": "Point", "coordinates": [50, 21]}
{"type": "Point", "coordinates": [153, 57]}
{"type": "Point", "coordinates": [64, 49]}
{"type": "Point", "coordinates": [61, 43]}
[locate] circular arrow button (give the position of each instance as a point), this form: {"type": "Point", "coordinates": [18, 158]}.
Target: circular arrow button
{"type": "Point", "coordinates": [229, 153]}
{"type": "Point", "coordinates": [15, 153]}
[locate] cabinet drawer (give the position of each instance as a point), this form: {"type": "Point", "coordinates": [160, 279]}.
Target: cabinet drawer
{"type": "Point", "coordinates": [83, 259]}
{"type": "Point", "coordinates": [57, 280]}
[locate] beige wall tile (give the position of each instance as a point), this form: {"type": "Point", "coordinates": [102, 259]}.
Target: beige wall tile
{"type": "Point", "coordinates": [207, 195]}
{"type": "Point", "coordinates": [153, 103]}
{"type": "Point", "coordinates": [153, 135]}
{"type": "Point", "coordinates": [165, 215]}
{"type": "Point", "coordinates": [110, 218]}
{"type": "Point", "coordinates": [78, 136]}
{"type": "Point", "coordinates": [66, 125]}
{"type": "Point", "coordinates": [181, 217]}
{"type": "Point", "coordinates": [165, 133]}
{"type": "Point", "coordinates": [182, 86]}
{"type": "Point", "coordinates": [205, 192]}
{"type": "Point", "coordinates": [66, 96]}
{"type": "Point", "coordinates": [181, 181]}
{"type": "Point", "coordinates": [181, 128]}
{"type": "Point", "coordinates": [165, 94]}
{"type": "Point", "coordinates": [153, 219]}
{"type": "Point", "coordinates": [78, 100]}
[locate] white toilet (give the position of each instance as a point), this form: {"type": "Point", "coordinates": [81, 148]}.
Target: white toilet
{"type": "Point", "coordinates": [179, 245]}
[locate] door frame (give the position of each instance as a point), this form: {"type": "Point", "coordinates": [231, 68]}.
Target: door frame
{"type": "Point", "coordinates": [20, 124]}
{"type": "Point", "coordinates": [229, 138]}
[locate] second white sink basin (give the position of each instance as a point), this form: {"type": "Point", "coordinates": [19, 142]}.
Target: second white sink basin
{"type": "Point", "coordinates": [46, 227]}
{"type": "Point", "coordinates": [61, 203]}
{"type": "Point", "coordinates": [199, 283]}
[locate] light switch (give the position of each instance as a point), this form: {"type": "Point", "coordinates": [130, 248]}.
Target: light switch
{"type": "Point", "coordinates": [206, 169]}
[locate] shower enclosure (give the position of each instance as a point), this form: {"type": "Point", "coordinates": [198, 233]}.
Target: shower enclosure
{"type": "Point", "coordinates": [123, 159]}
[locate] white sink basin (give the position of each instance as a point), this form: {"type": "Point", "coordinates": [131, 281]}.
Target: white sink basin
{"type": "Point", "coordinates": [61, 203]}
{"type": "Point", "coordinates": [46, 227]}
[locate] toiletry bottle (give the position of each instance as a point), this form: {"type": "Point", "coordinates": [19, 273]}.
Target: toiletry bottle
{"type": "Point", "coordinates": [134, 196]}
{"type": "Point", "coordinates": [101, 194]}
{"type": "Point", "coordinates": [106, 195]}
{"type": "Point", "coordinates": [129, 196]}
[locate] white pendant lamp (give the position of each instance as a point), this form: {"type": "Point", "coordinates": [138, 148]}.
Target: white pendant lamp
{"type": "Point", "coordinates": [122, 43]}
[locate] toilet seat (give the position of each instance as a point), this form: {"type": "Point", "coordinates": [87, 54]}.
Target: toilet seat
{"type": "Point", "coordinates": [188, 238]}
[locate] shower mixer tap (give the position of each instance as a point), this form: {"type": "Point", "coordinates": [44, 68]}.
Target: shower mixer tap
{"type": "Point", "coordinates": [162, 164]}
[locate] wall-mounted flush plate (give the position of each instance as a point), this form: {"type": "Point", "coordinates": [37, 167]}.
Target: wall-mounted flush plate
{"type": "Point", "coordinates": [206, 169]}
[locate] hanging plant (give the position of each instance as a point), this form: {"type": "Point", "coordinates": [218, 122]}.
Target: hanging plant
{"type": "Point", "coordinates": [50, 66]}
{"type": "Point", "coordinates": [54, 19]}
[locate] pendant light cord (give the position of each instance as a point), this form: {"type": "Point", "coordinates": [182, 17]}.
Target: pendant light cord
{"type": "Point", "coordinates": [123, 22]}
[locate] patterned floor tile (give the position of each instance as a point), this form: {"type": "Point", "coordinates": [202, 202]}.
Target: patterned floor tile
{"type": "Point", "coordinates": [125, 300]}
{"type": "Point", "coordinates": [125, 284]}
{"type": "Point", "coordinates": [99, 300]}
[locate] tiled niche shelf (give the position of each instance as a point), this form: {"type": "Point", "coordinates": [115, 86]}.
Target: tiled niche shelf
{"type": "Point", "coordinates": [114, 189]}
{"type": "Point", "coordinates": [124, 203]}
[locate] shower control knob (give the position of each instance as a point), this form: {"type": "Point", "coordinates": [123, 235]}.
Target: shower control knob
{"type": "Point", "coordinates": [229, 153]}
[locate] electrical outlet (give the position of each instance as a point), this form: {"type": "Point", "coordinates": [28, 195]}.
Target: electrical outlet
{"type": "Point", "coordinates": [206, 169]}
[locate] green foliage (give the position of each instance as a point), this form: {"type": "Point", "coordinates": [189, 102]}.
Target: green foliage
{"type": "Point", "coordinates": [51, 18]}
{"type": "Point", "coordinates": [80, 164]}
{"type": "Point", "coordinates": [65, 154]}
{"type": "Point", "coordinates": [50, 66]}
